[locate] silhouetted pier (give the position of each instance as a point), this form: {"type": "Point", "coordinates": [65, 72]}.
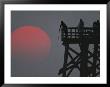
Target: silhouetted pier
{"type": "Point", "coordinates": [87, 62]}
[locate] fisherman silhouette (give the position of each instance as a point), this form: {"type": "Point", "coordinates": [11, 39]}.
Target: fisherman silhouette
{"type": "Point", "coordinates": [63, 27]}
{"type": "Point", "coordinates": [81, 23]}
{"type": "Point", "coordinates": [96, 28]}
{"type": "Point", "coordinates": [81, 28]}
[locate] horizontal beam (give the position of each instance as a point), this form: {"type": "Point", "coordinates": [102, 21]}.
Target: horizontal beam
{"type": "Point", "coordinates": [86, 28]}
{"type": "Point", "coordinates": [77, 40]}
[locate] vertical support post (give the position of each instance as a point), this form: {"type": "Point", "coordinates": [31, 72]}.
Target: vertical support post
{"type": "Point", "coordinates": [96, 27]}
{"type": "Point", "coordinates": [65, 59]}
{"type": "Point", "coordinates": [95, 59]}
{"type": "Point", "coordinates": [84, 50]}
{"type": "Point", "coordinates": [84, 59]}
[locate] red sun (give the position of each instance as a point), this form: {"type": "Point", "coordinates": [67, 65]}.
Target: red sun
{"type": "Point", "coordinates": [30, 41]}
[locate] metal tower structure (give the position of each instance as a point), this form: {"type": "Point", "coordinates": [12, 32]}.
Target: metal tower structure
{"type": "Point", "coordinates": [87, 61]}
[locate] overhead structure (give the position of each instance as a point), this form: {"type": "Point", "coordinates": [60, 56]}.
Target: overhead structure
{"type": "Point", "coordinates": [87, 61]}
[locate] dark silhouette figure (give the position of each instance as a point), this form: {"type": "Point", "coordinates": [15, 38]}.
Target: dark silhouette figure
{"type": "Point", "coordinates": [85, 37]}
{"type": "Point", "coordinates": [96, 29]}
{"type": "Point", "coordinates": [81, 24]}
{"type": "Point", "coordinates": [63, 27]}
{"type": "Point", "coordinates": [80, 27]}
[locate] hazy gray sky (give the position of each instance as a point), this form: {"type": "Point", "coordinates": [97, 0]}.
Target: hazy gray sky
{"type": "Point", "coordinates": [50, 22]}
